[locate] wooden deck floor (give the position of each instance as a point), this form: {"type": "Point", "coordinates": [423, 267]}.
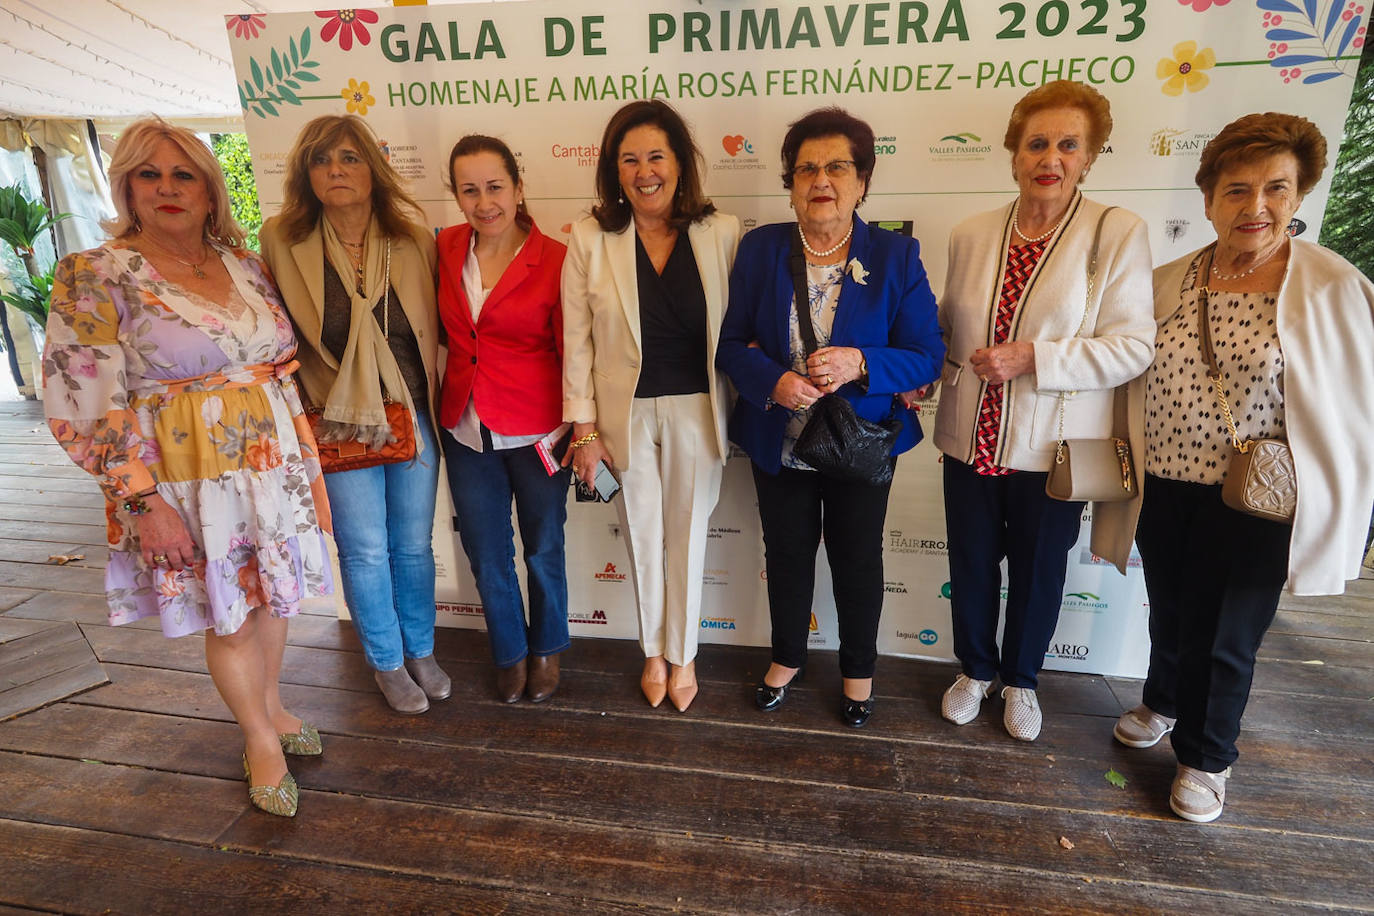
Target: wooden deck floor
{"type": "Point", "coordinates": [128, 797]}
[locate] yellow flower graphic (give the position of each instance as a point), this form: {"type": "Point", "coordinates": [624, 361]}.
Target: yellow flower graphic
{"type": "Point", "coordinates": [1185, 70]}
{"type": "Point", "coordinates": [360, 99]}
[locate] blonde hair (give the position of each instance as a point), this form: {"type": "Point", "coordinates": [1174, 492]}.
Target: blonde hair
{"type": "Point", "coordinates": [136, 146]}
{"type": "Point", "coordinates": [398, 214]}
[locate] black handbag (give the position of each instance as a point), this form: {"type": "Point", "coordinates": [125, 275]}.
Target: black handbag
{"type": "Point", "coordinates": [836, 441]}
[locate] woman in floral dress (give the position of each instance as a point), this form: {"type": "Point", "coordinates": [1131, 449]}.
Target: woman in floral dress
{"type": "Point", "coordinates": [168, 366]}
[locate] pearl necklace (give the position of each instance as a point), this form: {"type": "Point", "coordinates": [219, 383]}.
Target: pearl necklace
{"type": "Point", "coordinates": [1221, 276]}
{"type": "Point", "coordinates": [1016, 227]}
{"type": "Point", "coordinates": [829, 251]}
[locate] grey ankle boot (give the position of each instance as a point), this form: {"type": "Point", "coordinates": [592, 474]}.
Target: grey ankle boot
{"type": "Point", "coordinates": [402, 694]}
{"type": "Point", "coordinates": [431, 678]}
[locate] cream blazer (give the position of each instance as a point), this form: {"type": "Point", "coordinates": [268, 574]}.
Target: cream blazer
{"type": "Point", "coordinates": [299, 272]}
{"type": "Point", "coordinates": [1115, 346]}
{"type": "Point", "coordinates": [1326, 333]}
{"type": "Point", "coordinates": [601, 337]}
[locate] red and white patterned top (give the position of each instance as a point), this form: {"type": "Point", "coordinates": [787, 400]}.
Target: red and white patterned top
{"type": "Point", "coordinates": [1021, 261]}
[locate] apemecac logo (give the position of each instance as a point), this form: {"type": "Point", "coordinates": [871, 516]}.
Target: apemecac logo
{"type": "Point", "coordinates": [609, 574]}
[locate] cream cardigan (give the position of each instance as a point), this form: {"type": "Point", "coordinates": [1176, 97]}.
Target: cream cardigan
{"type": "Point", "coordinates": [1117, 344]}
{"type": "Point", "coordinates": [1326, 331]}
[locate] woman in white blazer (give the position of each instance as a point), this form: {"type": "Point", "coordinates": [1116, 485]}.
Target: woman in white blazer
{"type": "Point", "coordinates": [1292, 330]}
{"type": "Point", "coordinates": [1034, 354]}
{"type": "Point", "coordinates": [644, 289]}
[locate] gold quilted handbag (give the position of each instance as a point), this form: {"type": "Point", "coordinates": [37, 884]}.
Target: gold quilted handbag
{"type": "Point", "coordinates": [1260, 480]}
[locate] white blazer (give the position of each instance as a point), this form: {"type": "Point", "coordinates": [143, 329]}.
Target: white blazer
{"type": "Point", "coordinates": [1326, 333]}
{"type": "Point", "coordinates": [601, 335]}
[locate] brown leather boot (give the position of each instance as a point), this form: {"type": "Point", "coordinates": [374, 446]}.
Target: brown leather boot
{"type": "Point", "coordinates": [543, 680]}
{"type": "Point", "coordinates": [510, 682]}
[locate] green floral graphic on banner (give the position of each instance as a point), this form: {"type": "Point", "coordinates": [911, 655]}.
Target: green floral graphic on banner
{"type": "Point", "coordinates": [278, 79]}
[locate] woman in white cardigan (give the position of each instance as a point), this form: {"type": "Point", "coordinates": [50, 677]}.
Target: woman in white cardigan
{"type": "Point", "coordinates": [1292, 330]}
{"type": "Point", "coordinates": [644, 287]}
{"type": "Point", "coordinates": [1034, 355]}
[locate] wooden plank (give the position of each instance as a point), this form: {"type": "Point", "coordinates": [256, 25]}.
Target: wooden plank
{"type": "Point", "coordinates": [59, 578]}
{"type": "Point", "coordinates": [35, 643]}
{"type": "Point", "coordinates": [78, 608]}
{"type": "Point", "coordinates": [1072, 776]}
{"type": "Point", "coordinates": [10, 597]}
{"type": "Point", "coordinates": [58, 532]}
{"type": "Point", "coordinates": [41, 664]}
{"type": "Point", "coordinates": [14, 628]}
{"type": "Point", "coordinates": [45, 474]}
{"type": "Point", "coordinates": [77, 871]}
{"type": "Point", "coordinates": [28, 550]}
{"type": "Point", "coordinates": [1304, 623]}
{"type": "Point", "coordinates": [50, 493]}
{"type": "Point", "coordinates": [59, 685]}
{"type": "Point", "coordinates": [1288, 647]}
{"type": "Point", "coordinates": [31, 512]}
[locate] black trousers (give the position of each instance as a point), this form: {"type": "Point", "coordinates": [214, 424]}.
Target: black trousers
{"type": "Point", "coordinates": [1214, 576]}
{"type": "Point", "coordinates": [796, 508]}
{"type": "Point", "coordinates": [989, 518]}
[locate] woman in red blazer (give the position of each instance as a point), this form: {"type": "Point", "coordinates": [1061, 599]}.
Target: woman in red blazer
{"type": "Point", "coordinates": [502, 393]}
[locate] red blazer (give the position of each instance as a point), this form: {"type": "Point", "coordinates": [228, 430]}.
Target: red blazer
{"type": "Point", "coordinates": [511, 362]}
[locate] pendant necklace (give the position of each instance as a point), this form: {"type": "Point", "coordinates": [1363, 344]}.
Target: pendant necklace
{"type": "Point", "coordinates": [829, 251]}
{"type": "Point", "coordinates": [195, 267]}
{"type": "Point", "coordinates": [1221, 276]}
{"type": "Point", "coordinates": [1016, 227]}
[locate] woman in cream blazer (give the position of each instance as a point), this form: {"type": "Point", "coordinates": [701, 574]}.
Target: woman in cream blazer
{"type": "Point", "coordinates": [644, 288]}
{"type": "Point", "coordinates": [1034, 353]}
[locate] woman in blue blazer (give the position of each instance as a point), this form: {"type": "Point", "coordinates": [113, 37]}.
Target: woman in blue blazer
{"type": "Point", "coordinates": [874, 320]}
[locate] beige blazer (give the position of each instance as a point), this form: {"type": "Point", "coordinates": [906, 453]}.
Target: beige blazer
{"type": "Point", "coordinates": [299, 271]}
{"type": "Point", "coordinates": [601, 337]}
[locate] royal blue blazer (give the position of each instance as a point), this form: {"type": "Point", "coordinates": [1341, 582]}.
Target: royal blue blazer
{"type": "Point", "coordinates": [891, 318]}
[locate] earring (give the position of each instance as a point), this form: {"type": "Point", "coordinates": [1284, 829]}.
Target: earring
{"type": "Point", "coordinates": [137, 223]}
{"type": "Point", "coordinates": [621, 198]}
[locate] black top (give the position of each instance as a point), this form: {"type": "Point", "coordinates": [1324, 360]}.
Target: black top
{"type": "Point", "coordinates": [338, 311]}
{"type": "Point", "coordinates": [672, 323]}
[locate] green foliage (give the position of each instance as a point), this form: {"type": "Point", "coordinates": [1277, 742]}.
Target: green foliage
{"type": "Point", "coordinates": [23, 220]}
{"type": "Point", "coordinates": [31, 297]}
{"type": "Point", "coordinates": [232, 152]}
{"type": "Point", "coordinates": [1346, 225]}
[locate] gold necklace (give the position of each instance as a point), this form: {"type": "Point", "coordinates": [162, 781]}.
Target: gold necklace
{"type": "Point", "coordinates": [195, 266]}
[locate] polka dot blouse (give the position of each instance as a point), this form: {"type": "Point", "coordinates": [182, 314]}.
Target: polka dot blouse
{"type": "Point", "coordinates": [1185, 430]}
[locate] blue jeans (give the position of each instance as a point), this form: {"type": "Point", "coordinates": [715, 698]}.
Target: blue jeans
{"type": "Point", "coordinates": [482, 485]}
{"type": "Point", "coordinates": [383, 521]}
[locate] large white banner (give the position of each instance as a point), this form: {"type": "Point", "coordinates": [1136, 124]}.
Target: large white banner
{"type": "Point", "coordinates": [936, 79]}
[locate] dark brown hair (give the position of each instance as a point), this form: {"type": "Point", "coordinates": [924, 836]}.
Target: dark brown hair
{"type": "Point", "coordinates": [1259, 136]}
{"type": "Point", "coordinates": [473, 144]}
{"type": "Point", "coordinates": [398, 214]}
{"type": "Point", "coordinates": [830, 122]}
{"type": "Point", "coordinates": [690, 203]}
{"type": "Point", "coordinates": [1062, 94]}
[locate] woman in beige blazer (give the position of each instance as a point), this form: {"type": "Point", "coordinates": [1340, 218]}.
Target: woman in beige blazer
{"type": "Point", "coordinates": [349, 245]}
{"type": "Point", "coordinates": [644, 288]}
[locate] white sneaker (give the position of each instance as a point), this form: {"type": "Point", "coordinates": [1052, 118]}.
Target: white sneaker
{"type": "Point", "coordinates": [963, 699]}
{"type": "Point", "coordinates": [1022, 714]}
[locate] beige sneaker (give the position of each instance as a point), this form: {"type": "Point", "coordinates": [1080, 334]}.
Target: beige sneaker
{"type": "Point", "coordinates": [963, 699]}
{"type": "Point", "coordinates": [1142, 727]}
{"type": "Point", "coordinates": [1197, 796]}
{"type": "Point", "coordinates": [1022, 714]}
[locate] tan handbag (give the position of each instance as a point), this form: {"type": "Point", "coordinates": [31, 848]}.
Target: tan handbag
{"type": "Point", "coordinates": [1093, 470]}
{"type": "Point", "coordinates": [1260, 479]}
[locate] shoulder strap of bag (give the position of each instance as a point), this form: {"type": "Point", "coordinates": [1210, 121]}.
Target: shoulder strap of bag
{"type": "Point", "coordinates": [797, 261]}
{"type": "Point", "coordinates": [1209, 356]}
{"type": "Point", "coordinates": [1119, 408]}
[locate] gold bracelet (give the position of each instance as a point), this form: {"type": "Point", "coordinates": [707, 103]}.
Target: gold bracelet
{"type": "Point", "coordinates": [587, 439]}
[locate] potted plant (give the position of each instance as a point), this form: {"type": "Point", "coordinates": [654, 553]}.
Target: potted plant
{"type": "Point", "coordinates": [22, 222]}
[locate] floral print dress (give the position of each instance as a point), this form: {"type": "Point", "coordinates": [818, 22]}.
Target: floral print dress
{"type": "Point", "coordinates": [150, 385]}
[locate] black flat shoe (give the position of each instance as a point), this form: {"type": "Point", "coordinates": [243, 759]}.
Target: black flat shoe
{"type": "Point", "coordinates": [856, 713]}
{"type": "Point", "coordinates": [769, 698]}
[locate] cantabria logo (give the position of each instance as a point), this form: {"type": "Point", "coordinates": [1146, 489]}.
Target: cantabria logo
{"type": "Point", "coordinates": [737, 143]}
{"type": "Point", "coordinates": [610, 575]}
{"type": "Point", "coordinates": [965, 145]}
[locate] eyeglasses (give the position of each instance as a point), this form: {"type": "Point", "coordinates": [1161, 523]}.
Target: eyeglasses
{"type": "Point", "coordinates": [838, 168]}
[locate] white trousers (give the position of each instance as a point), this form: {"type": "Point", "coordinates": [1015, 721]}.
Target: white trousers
{"type": "Point", "coordinates": [669, 490]}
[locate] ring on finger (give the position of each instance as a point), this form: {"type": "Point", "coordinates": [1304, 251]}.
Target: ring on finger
{"type": "Point", "coordinates": [830, 379]}
{"type": "Point", "coordinates": [159, 559]}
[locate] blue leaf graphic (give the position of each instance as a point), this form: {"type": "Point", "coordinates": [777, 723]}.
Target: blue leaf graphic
{"type": "Point", "coordinates": [1332, 16]}
{"type": "Point", "coordinates": [1277, 6]}
{"type": "Point", "coordinates": [1287, 35]}
{"type": "Point", "coordinates": [1321, 77]}
{"type": "Point", "coordinates": [1350, 31]}
{"type": "Point", "coordinates": [1294, 60]}
{"type": "Point", "coordinates": [1311, 6]}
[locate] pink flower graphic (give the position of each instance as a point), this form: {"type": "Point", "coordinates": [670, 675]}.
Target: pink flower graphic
{"type": "Point", "coordinates": [1200, 6]}
{"type": "Point", "coordinates": [347, 23]}
{"type": "Point", "coordinates": [245, 25]}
